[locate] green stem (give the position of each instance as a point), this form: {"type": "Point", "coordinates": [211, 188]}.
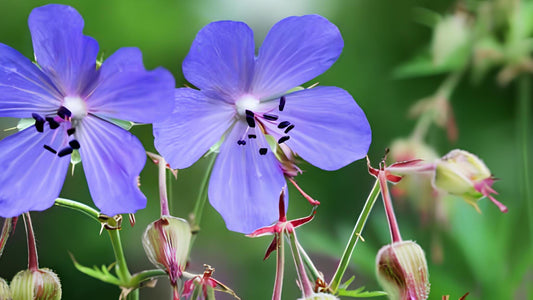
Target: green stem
{"type": "Point", "coordinates": [305, 284]}
{"type": "Point", "coordinates": [139, 278]}
{"type": "Point", "coordinates": [356, 235]}
{"type": "Point", "coordinates": [524, 111]}
{"type": "Point", "coordinates": [309, 264]}
{"type": "Point", "coordinates": [87, 210]}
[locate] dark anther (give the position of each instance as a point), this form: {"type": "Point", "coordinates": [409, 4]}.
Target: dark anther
{"type": "Point", "coordinates": [63, 112]}
{"type": "Point", "coordinates": [252, 136]}
{"type": "Point", "coordinates": [284, 124]}
{"type": "Point", "coordinates": [49, 149]}
{"type": "Point", "coordinates": [250, 118]}
{"type": "Point", "coordinates": [74, 144]}
{"type": "Point", "coordinates": [39, 122]}
{"type": "Point", "coordinates": [263, 151]}
{"type": "Point", "coordinates": [270, 117]}
{"type": "Point", "coordinates": [281, 103]}
{"type": "Point", "coordinates": [64, 151]}
{"type": "Point", "coordinates": [241, 142]}
{"type": "Point", "coordinates": [283, 139]}
{"type": "Point", "coordinates": [289, 128]}
{"type": "Point", "coordinates": [71, 131]}
{"type": "Point", "coordinates": [53, 123]}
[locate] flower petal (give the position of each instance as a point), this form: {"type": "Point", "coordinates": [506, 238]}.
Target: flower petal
{"type": "Point", "coordinates": [61, 49]}
{"type": "Point", "coordinates": [127, 91]}
{"type": "Point", "coordinates": [24, 89]}
{"type": "Point", "coordinates": [245, 185]}
{"type": "Point", "coordinates": [330, 129]}
{"type": "Point", "coordinates": [195, 125]}
{"type": "Point", "coordinates": [112, 160]}
{"type": "Point", "coordinates": [221, 60]}
{"type": "Point", "coordinates": [296, 50]}
{"type": "Point", "coordinates": [31, 177]}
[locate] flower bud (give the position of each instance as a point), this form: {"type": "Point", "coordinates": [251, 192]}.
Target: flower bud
{"type": "Point", "coordinates": [402, 271]}
{"type": "Point", "coordinates": [5, 293]}
{"type": "Point", "coordinates": [463, 174]}
{"type": "Point", "coordinates": [450, 36]}
{"type": "Point", "coordinates": [166, 243]}
{"type": "Point", "coordinates": [41, 284]}
{"type": "Point", "coordinates": [320, 296]}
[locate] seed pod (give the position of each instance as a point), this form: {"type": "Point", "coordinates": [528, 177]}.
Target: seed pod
{"type": "Point", "coordinates": [41, 284]}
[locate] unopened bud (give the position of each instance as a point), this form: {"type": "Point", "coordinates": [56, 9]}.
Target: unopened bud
{"type": "Point", "coordinates": [463, 174]}
{"type": "Point", "coordinates": [5, 293]}
{"type": "Point", "coordinates": [450, 36]}
{"type": "Point", "coordinates": [41, 284]}
{"type": "Point", "coordinates": [320, 296]}
{"type": "Point", "coordinates": [402, 271]}
{"type": "Point", "coordinates": [166, 243]}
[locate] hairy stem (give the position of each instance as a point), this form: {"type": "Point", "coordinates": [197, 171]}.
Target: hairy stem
{"type": "Point", "coordinates": [33, 260]}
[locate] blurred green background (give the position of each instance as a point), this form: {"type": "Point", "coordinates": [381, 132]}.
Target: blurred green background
{"type": "Point", "coordinates": [488, 254]}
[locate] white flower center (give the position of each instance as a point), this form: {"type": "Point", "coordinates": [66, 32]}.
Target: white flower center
{"type": "Point", "coordinates": [77, 107]}
{"type": "Point", "coordinates": [244, 103]}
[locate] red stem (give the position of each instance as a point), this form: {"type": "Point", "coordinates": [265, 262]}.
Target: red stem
{"type": "Point", "coordinates": [162, 165]}
{"type": "Point", "coordinates": [33, 260]}
{"type": "Point", "coordinates": [393, 224]}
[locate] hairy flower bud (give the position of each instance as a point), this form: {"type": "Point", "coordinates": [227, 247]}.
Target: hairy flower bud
{"type": "Point", "coordinates": [463, 174]}
{"type": "Point", "coordinates": [402, 271]}
{"type": "Point", "coordinates": [5, 293]}
{"type": "Point", "coordinates": [166, 243]}
{"type": "Point", "coordinates": [320, 296]}
{"type": "Point", "coordinates": [41, 284]}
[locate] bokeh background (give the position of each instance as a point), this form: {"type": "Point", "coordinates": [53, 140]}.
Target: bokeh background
{"type": "Point", "coordinates": [488, 254]}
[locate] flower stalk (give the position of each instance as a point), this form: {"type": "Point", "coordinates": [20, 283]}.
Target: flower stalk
{"type": "Point", "coordinates": [524, 111]}
{"type": "Point", "coordinates": [280, 267]}
{"type": "Point", "coordinates": [33, 260]}
{"type": "Point", "coordinates": [305, 284]}
{"type": "Point", "coordinates": [356, 235]}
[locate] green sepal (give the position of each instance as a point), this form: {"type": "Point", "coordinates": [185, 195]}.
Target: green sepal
{"type": "Point", "coordinates": [101, 273]}
{"type": "Point", "coordinates": [360, 293]}
{"type": "Point", "coordinates": [25, 123]}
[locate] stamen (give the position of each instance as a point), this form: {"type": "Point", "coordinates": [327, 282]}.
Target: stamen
{"type": "Point", "coordinates": [263, 151]}
{"type": "Point", "coordinates": [270, 117]}
{"type": "Point", "coordinates": [250, 118]}
{"type": "Point", "coordinates": [71, 131]}
{"type": "Point", "coordinates": [289, 128]}
{"type": "Point", "coordinates": [65, 151]}
{"type": "Point", "coordinates": [283, 139]}
{"type": "Point", "coordinates": [50, 149]}
{"type": "Point", "coordinates": [284, 124]}
{"type": "Point", "coordinates": [39, 122]}
{"type": "Point", "coordinates": [53, 123]}
{"type": "Point", "coordinates": [74, 144]}
{"type": "Point", "coordinates": [241, 142]}
{"type": "Point", "coordinates": [252, 136]}
{"type": "Point", "coordinates": [281, 103]}
{"type": "Point", "coordinates": [63, 112]}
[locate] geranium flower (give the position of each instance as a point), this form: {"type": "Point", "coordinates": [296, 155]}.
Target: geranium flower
{"type": "Point", "coordinates": [73, 103]}
{"type": "Point", "coordinates": [249, 101]}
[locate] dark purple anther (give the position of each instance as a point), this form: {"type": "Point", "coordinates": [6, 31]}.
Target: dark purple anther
{"type": "Point", "coordinates": [64, 151]}
{"type": "Point", "coordinates": [74, 144]}
{"type": "Point", "coordinates": [281, 103]}
{"type": "Point", "coordinates": [53, 123]}
{"type": "Point", "coordinates": [283, 139]}
{"type": "Point", "coordinates": [241, 142]}
{"type": "Point", "coordinates": [263, 151]}
{"type": "Point", "coordinates": [49, 149]}
{"type": "Point", "coordinates": [270, 117]}
{"type": "Point", "coordinates": [63, 112]}
{"type": "Point", "coordinates": [71, 131]}
{"type": "Point", "coordinates": [289, 128]}
{"type": "Point", "coordinates": [252, 136]}
{"type": "Point", "coordinates": [250, 118]}
{"type": "Point", "coordinates": [39, 122]}
{"type": "Point", "coordinates": [284, 124]}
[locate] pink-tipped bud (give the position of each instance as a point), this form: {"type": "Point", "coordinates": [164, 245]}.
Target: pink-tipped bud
{"type": "Point", "coordinates": [402, 271]}
{"type": "Point", "coordinates": [5, 292]}
{"type": "Point", "coordinates": [166, 243]}
{"type": "Point", "coordinates": [40, 284]}
{"type": "Point", "coordinates": [463, 174]}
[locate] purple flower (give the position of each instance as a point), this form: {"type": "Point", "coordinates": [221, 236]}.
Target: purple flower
{"type": "Point", "coordinates": [248, 100]}
{"type": "Point", "coordinates": [73, 102]}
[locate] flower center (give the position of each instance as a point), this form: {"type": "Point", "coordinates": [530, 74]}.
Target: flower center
{"type": "Point", "coordinates": [244, 103]}
{"type": "Point", "coordinates": [76, 106]}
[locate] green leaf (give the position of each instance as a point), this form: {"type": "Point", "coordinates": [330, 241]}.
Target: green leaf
{"type": "Point", "coordinates": [423, 65]}
{"type": "Point", "coordinates": [102, 273]}
{"type": "Point", "coordinates": [346, 284]}
{"type": "Point", "coordinates": [360, 293]}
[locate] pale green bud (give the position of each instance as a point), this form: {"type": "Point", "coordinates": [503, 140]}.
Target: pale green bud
{"type": "Point", "coordinates": [458, 172]}
{"type": "Point", "coordinates": [402, 271]}
{"type": "Point", "coordinates": [450, 35]}
{"type": "Point", "coordinates": [320, 296]}
{"type": "Point", "coordinates": [5, 293]}
{"type": "Point", "coordinates": [41, 284]}
{"type": "Point", "coordinates": [166, 243]}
